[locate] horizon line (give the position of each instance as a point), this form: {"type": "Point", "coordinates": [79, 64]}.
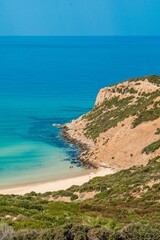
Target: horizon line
{"type": "Point", "coordinates": [79, 35]}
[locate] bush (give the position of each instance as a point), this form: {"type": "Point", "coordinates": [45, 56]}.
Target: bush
{"type": "Point", "coordinates": [99, 233]}
{"type": "Point", "coordinates": [140, 231]}
{"type": "Point", "coordinates": [6, 232]}
{"type": "Point", "coordinates": [74, 197]}
{"type": "Point", "coordinates": [157, 131]}
{"type": "Point", "coordinates": [152, 147]}
{"type": "Point", "coordinates": [26, 235]}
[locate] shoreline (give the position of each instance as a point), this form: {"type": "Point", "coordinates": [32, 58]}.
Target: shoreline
{"type": "Point", "coordinates": [57, 185]}
{"type": "Point", "coordinates": [84, 147]}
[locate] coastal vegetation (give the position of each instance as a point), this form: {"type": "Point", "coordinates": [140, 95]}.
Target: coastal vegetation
{"type": "Point", "coordinates": [157, 131]}
{"type": "Point", "coordinates": [152, 147]}
{"type": "Point", "coordinates": [122, 123]}
{"type": "Point", "coordinates": [152, 79]}
{"type": "Point", "coordinates": [125, 206]}
{"type": "Point", "coordinates": [120, 206]}
{"type": "Point", "coordinates": [142, 105]}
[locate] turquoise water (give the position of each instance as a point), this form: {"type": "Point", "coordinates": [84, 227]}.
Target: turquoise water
{"type": "Point", "coordinates": [45, 80]}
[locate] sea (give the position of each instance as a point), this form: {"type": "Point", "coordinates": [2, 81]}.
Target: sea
{"type": "Point", "coordinates": [46, 80]}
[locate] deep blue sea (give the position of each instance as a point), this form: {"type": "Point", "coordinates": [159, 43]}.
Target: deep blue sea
{"type": "Point", "coordinates": [45, 80]}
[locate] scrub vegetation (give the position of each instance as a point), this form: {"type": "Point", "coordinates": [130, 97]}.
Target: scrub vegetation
{"type": "Point", "coordinates": [143, 106]}
{"type": "Point", "coordinates": [152, 147]}
{"type": "Point", "coordinates": [126, 206]}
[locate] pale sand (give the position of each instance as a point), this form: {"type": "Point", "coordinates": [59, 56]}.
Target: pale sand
{"type": "Point", "coordinates": [57, 185]}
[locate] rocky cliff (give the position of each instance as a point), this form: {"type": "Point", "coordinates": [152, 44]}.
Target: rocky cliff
{"type": "Point", "coordinates": [123, 128]}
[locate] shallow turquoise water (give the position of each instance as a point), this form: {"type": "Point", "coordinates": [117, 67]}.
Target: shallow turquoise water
{"type": "Point", "coordinates": [45, 80]}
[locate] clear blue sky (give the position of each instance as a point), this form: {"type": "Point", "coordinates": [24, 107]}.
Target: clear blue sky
{"type": "Point", "coordinates": [79, 17]}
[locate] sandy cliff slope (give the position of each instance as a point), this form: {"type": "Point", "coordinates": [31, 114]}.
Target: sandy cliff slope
{"type": "Point", "coordinates": [123, 128]}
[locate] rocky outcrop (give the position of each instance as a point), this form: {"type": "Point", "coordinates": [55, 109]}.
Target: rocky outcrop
{"type": "Point", "coordinates": [125, 89]}
{"type": "Point", "coordinates": [123, 122]}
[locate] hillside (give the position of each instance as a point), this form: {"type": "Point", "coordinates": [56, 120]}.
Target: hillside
{"type": "Point", "coordinates": [122, 130]}
{"type": "Point", "coordinates": [125, 205]}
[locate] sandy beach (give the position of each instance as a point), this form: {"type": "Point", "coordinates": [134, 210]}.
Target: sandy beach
{"type": "Point", "coordinates": [57, 185]}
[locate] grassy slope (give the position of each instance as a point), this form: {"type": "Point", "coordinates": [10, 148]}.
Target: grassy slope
{"type": "Point", "coordinates": [127, 196]}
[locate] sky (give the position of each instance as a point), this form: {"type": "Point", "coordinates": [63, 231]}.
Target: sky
{"type": "Point", "coordinates": [80, 17]}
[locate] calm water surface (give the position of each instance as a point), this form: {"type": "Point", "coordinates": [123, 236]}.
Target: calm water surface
{"type": "Point", "coordinates": [45, 80]}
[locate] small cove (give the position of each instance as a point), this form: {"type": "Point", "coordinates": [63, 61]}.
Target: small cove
{"type": "Point", "coordinates": [46, 80]}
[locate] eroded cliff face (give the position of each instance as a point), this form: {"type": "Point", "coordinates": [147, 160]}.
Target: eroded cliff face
{"type": "Point", "coordinates": [123, 129]}
{"type": "Point", "coordinates": [119, 90]}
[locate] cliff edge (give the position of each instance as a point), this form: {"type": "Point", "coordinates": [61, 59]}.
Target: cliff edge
{"type": "Point", "coordinates": [123, 128]}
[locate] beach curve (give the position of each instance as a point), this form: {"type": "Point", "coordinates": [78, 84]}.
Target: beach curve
{"type": "Point", "coordinates": [57, 185]}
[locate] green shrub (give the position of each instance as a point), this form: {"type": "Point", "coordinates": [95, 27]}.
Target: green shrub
{"type": "Point", "coordinates": [132, 91]}
{"type": "Point", "coordinates": [147, 115]}
{"type": "Point", "coordinates": [140, 231]}
{"type": "Point", "coordinates": [157, 131]}
{"type": "Point", "coordinates": [152, 147]}
{"type": "Point", "coordinates": [74, 197]}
